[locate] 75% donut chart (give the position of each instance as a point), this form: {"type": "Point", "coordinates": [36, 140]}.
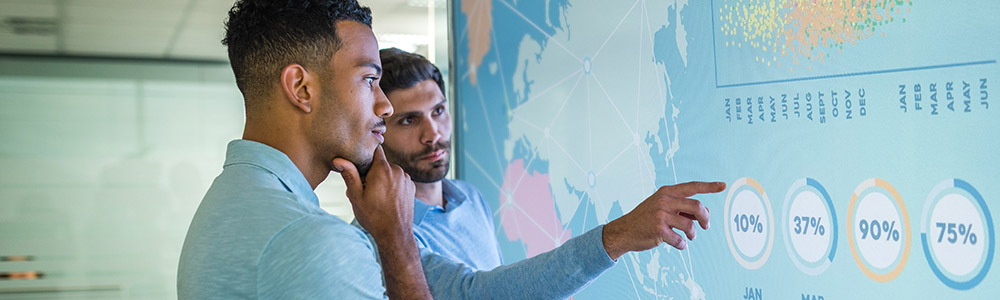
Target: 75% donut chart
{"type": "Point", "coordinates": [955, 232]}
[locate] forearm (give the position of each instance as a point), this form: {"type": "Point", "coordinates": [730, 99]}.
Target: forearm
{"type": "Point", "coordinates": [556, 274]}
{"type": "Point", "coordinates": [612, 238]}
{"type": "Point", "coordinates": [401, 266]}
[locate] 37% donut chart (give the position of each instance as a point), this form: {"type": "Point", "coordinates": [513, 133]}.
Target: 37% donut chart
{"type": "Point", "coordinates": [802, 224]}
{"type": "Point", "coordinates": [810, 226]}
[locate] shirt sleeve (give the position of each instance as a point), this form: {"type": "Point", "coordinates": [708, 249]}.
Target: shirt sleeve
{"type": "Point", "coordinates": [488, 215]}
{"type": "Point", "coordinates": [556, 274]}
{"type": "Point", "coordinates": [317, 258]}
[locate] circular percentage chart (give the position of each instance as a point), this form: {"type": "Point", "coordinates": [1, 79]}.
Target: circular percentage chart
{"type": "Point", "coordinates": [749, 220]}
{"type": "Point", "coordinates": [956, 231]}
{"type": "Point", "coordinates": [879, 230]}
{"type": "Point", "coordinates": [810, 226]}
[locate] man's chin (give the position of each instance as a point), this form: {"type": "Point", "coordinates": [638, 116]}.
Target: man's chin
{"type": "Point", "coordinates": [429, 179]}
{"type": "Point", "coordinates": [432, 175]}
{"type": "Point", "coordinates": [363, 168]}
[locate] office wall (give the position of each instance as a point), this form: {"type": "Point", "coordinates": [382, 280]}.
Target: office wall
{"type": "Point", "coordinates": [102, 165]}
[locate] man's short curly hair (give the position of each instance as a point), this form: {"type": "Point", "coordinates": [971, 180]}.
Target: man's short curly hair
{"type": "Point", "coordinates": [264, 36]}
{"type": "Point", "coordinates": [403, 70]}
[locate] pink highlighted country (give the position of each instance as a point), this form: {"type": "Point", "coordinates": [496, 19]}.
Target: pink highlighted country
{"type": "Point", "coordinates": [529, 213]}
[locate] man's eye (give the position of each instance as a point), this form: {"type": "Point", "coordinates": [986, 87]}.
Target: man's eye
{"type": "Point", "coordinates": [370, 80]}
{"type": "Point", "coordinates": [439, 110]}
{"type": "Point", "coordinates": [406, 121]}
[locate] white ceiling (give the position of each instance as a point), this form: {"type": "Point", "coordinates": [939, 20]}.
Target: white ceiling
{"type": "Point", "coordinates": [164, 29]}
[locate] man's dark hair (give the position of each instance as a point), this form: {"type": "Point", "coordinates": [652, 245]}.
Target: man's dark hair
{"type": "Point", "coordinates": [264, 36]}
{"type": "Point", "coordinates": [403, 70]}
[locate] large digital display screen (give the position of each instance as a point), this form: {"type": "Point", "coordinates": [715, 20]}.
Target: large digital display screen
{"type": "Point", "coordinates": [860, 140]}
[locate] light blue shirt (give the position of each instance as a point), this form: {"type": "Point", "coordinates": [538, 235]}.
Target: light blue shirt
{"type": "Point", "coordinates": [259, 233]}
{"type": "Point", "coordinates": [462, 230]}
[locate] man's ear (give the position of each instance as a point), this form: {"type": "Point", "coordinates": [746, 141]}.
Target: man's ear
{"type": "Point", "coordinates": [298, 87]}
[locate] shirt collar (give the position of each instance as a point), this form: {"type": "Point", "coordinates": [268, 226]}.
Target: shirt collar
{"type": "Point", "coordinates": [274, 161]}
{"type": "Point", "coordinates": [454, 198]}
{"type": "Point", "coordinates": [420, 210]}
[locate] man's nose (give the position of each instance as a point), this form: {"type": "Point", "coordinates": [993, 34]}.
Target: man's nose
{"type": "Point", "coordinates": [383, 109]}
{"type": "Point", "coordinates": [431, 135]}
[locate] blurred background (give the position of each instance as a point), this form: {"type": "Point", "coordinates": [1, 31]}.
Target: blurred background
{"type": "Point", "coordinates": [114, 120]}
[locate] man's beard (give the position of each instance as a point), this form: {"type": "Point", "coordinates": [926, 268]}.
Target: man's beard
{"type": "Point", "coordinates": [363, 164]}
{"type": "Point", "coordinates": [363, 168]}
{"type": "Point", "coordinates": [408, 162]}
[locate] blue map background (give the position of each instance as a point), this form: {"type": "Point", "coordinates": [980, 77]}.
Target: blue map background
{"type": "Point", "coordinates": [574, 60]}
